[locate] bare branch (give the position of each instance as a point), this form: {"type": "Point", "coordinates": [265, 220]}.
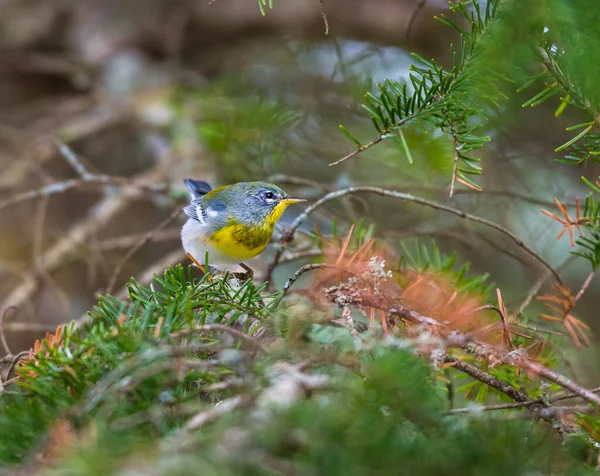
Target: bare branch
{"type": "Point", "coordinates": [377, 140]}
{"type": "Point", "coordinates": [222, 408]}
{"type": "Point", "coordinates": [411, 19]}
{"type": "Point", "coordinates": [487, 378]}
{"type": "Point", "coordinates": [147, 237]}
{"type": "Point", "coordinates": [77, 235]}
{"type": "Point", "coordinates": [456, 153]}
{"type": "Point", "coordinates": [239, 335]}
{"type": "Point", "coordinates": [585, 285]}
{"type": "Point", "coordinates": [324, 16]}
{"type": "Point", "coordinates": [288, 235]}
{"type": "Point", "coordinates": [310, 267]}
{"type": "Point", "coordinates": [73, 160]}
{"type": "Point", "coordinates": [2, 330]}
{"type": "Point", "coordinates": [535, 289]}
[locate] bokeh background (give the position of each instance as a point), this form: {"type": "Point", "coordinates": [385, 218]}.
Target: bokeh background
{"type": "Point", "coordinates": [160, 90]}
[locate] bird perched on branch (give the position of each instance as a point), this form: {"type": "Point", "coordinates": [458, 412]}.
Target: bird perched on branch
{"type": "Point", "coordinates": [232, 223]}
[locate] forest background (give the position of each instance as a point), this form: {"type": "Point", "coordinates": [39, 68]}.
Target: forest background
{"type": "Point", "coordinates": [439, 287]}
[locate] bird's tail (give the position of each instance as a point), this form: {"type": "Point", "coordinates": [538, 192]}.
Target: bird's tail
{"type": "Point", "coordinates": [197, 188]}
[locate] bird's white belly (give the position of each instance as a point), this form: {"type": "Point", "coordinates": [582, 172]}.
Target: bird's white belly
{"type": "Point", "coordinates": [192, 238]}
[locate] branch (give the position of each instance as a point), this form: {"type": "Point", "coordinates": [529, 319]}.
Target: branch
{"type": "Point", "coordinates": [413, 15]}
{"type": "Point", "coordinates": [288, 235]}
{"type": "Point", "coordinates": [324, 16]}
{"type": "Point", "coordinates": [99, 215]}
{"type": "Point", "coordinates": [466, 342]}
{"type": "Point", "coordinates": [561, 380]}
{"type": "Point", "coordinates": [537, 286]}
{"type": "Point", "coordinates": [585, 285]}
{"type": "Point", "coordinates": [487, 378]}
{"type": "Point", "coordinates": [377, 140]}
{"type": "Point", "coordinates": [86, 178]}
{"type": "Point", "coordinates": [310, 267]}
{"type": "Point", "coordinates": [2, 333]}
{"type": "Point", "coordinates": [456, 160]}
{"type": "Point", "coordinates": [147, 237]}
{"type": "Point", "coordinates": [239, 335]}
{"type": "Point", "coordinates": [222, 408]}
{"type": "Point", "coordinates": [73, 160]}
{"type": "Point", "coordinates": [550, 415]}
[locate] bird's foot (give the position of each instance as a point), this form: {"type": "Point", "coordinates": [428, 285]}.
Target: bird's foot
{"type": "Point", "coordinates": [248, 273]}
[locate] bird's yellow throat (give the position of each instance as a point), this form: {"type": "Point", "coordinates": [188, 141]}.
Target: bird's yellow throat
{"type": "Point", "coordinates": [279, 209]}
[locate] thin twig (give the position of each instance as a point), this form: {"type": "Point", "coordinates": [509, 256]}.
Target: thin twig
{"type": "Point", "coordinates": [543, 412]}
{"type": "Point", "coordinates": [324, 16]}
{"type": "Point", "coordinates": [309, 267]}
{"type": "Point", "coordinates": [239, 335]}
{"type": "Point", "coordinates": [214, 412]}
{"type": "Point", "coordinates": [29, 327]}
{"type": "Point", "coordinates": [489, 408]}
{"type": "Point", "coordinates": [65, 186]}
{"type": "Point", "coordinates": [486, 378]}
{"type": "Point", "coordinates": [377, 139]}
{"type": "Point", "coordinates": [14, 363]}
{"type": "Point", "coordinates": [85, 178]}
{"type": "Point", "coordinates": [561, 380]}
{"type": "Point", "coordinates": [535, 289]}
{"type": "Point", "coordinates": [2, 333]}
{"type": "Point", "coordinates": [301, 255]}
{"type": "Point", "coordinates": [413, 15]}
{"type": "Point", "coordinates": [127, 241]}
{"type": "Point", "coordinates": [507, 406]}
{"type": "Point", "coordinates": [568, 396]}
{"type": "Point", "coordinates": [405, 196]}
{"type": "Point", "coordinates": [147, 237]}
{"type": "Point", "coordinates": [73, 160]}
{"type": "Point", "coordinates": [77, 235]}
{"type": "Point", "coordinates": [144, 278]}
{"type": "Point", "coordinates": [585, 285]}
{"type": "Point", "coordinates": [456, 158]}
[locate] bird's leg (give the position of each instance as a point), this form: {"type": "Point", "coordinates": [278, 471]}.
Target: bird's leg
{"type": "Point", "coordinates": [249, 273]}
{"type": "Point", "coordinates": [195, 261]}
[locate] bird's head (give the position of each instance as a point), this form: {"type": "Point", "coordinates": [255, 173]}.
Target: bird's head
{"type": "Point", "coordinates": [257, 204]}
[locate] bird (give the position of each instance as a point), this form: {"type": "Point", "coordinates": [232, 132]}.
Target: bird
{"type": "Point", "coordinates": [233, 223]}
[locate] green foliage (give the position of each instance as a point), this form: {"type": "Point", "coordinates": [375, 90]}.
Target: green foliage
{"type": "Point", "coordinates": [247, 132]}
{"type": "Point", "coordinates": [136, 380]}
{"type": "Point", "coordinates": [562, 40]}
{"type": "Point", "coordinates": [438, 99]}
{"type": "Point", "coordinates": [140, 370]}
{"type": "Point", "coordinates": [127, 350]}
{"type": "Point", "coordinates": [383, 418]}
{"type": "Point", "coordinates": [589, 244]}
{"type": "Point", "coordinates": [262, 4]}
{"type": "Point", "coordinates": [422, 259]}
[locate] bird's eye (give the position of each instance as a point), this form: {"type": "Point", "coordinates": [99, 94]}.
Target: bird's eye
{"type": "Point", "coordinates": [269, 195]}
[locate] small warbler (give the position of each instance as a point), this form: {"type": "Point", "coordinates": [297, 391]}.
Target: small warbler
{"type": "Point", "coordinates": [232, 223]}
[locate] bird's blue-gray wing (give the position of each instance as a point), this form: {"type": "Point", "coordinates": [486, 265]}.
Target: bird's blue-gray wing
{"type": "Point", "coordinates": [196, 211]}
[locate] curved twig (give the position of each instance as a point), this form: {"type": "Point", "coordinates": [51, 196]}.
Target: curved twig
{"type": "Point", "coordinates": [288, 235]}
{"type": "Point", "coordinates": [2, 334]}
{"type": "Point", "coordinates": [377, 139]}
{"type": "Point", "coordinates": [308, 267]}
{"type": "Point", "coordinates": [239, 335]}
{"type": "Point", "coordinates": [147, 237]}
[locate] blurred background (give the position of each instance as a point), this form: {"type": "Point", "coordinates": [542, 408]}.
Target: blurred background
{"type": "Point", "coordinates": [159, 90]}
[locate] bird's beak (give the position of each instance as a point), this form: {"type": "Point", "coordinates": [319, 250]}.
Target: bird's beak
{"type": "Point", "coordinates": [290, 200]}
